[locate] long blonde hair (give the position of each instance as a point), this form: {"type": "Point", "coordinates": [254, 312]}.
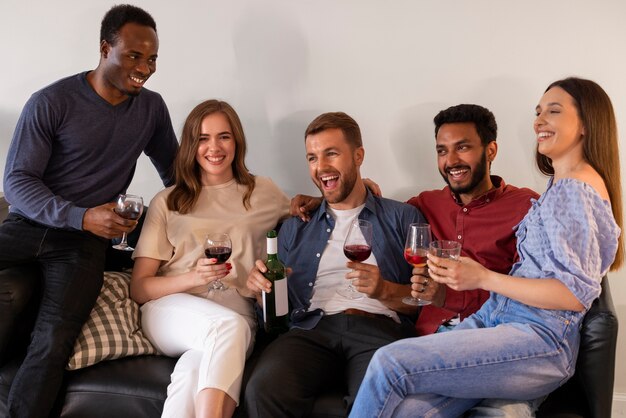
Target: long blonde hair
{"type": "Point", "coordinates": [600, 144]}
{"type": "Point", "coordinates": [187, 185]}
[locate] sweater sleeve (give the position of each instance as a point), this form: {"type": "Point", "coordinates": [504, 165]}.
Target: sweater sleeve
{"type": "Point", "coordinates": [27, 161]}
{"type": "Point", "coordinates": [163, 146]}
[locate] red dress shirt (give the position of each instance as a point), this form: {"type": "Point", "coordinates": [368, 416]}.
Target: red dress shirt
{"type": "Point", "coordinates": [484, 227]}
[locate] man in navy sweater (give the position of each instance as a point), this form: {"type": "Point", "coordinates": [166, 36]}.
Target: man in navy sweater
{"type": "Point", "coordinates": [74, 150]}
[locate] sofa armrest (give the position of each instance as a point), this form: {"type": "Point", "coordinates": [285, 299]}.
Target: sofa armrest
{"type": "Point", "coordinates": [595, 368]}
{"type": "Point", "coordinates": [589, 393]}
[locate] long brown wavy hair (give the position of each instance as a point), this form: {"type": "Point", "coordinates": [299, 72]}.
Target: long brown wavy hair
{"type": "Point", "coordinates": [187, 185]}
{"type": "Point", "coordinates": [600, 144]}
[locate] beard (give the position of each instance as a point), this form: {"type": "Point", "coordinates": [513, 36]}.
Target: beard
{"type": "Point", "coordinates": [348, 180]}
{"type": "Point", "coordinates": [120, 82]}
{"type": "Point", "coordinates": [478, 174]}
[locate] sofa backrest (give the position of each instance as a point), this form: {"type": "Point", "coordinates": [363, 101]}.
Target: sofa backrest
{"type": "Point", "coordinates": [4, 207]}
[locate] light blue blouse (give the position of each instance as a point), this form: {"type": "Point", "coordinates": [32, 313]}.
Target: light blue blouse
{"type": "Point", "coordinates": [568, 234]}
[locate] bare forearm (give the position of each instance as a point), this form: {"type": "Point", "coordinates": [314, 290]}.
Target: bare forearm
{"type": "Point", "coordinates": [392, 295]}
{"type": "Point", "coordinates": [153, 287]}
{"type": "Point", "coordinates": [541, 293]}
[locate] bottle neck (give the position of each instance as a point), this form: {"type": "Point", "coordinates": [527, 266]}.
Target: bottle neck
{"type": "Point", "coordinates": [272, 247]}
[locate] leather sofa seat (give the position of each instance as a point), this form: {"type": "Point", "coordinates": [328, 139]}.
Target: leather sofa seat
{"type": "Point", "coordinates": [136, 386]}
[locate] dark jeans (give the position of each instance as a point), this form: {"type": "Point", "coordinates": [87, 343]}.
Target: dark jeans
{"type": "Point", "coordinates": [296, 367]}
{"type": "Point", "coordinates": [72, 265]}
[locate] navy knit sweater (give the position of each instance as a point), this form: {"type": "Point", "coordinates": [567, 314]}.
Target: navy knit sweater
{"type": "Point", "coordinates": [72, 150]}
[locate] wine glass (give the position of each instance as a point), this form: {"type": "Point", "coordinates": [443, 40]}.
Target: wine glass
{"type": "Point", "coordinates": [128, 206]}
{"type": "Point", "coordinates": [415, 250]}
{"type": "Point", "coordinates": [446, 249]}
{"type": "Point", "coordinates": [357, 247]}
{"type": "Point", "coordinates": [218, 246]}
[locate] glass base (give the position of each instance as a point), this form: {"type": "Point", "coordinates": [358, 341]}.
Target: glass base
{"type": "Point", "coordinates": [415, 301]}
{"type": "Point", "coordinates": [218, 285]}
{"type": "Point", "coordinates": [123, 247]}
{"type": "Point", "coordinates": [350, 292]}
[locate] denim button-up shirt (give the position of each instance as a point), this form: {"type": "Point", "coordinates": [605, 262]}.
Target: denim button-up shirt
{"type": "Point", "coordinates": [301, 245]}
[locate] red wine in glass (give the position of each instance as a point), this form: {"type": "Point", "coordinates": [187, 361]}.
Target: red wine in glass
{"type": "Point", "coordinates": [220, 253]}
{"type": "Point", "coordinates": [416, 258]}
{"type": "Point", "coordinates": [128, 213]}
{"type": "Point", "coordinates": [129, 207]}
{"type": "Point", "coordinates": [357, 252]}
{"type": "Point", "coordinates": [415, 250]}
{"type": "Point", "coordinates": [357, 247]}
{"type": "Point", "coordinates": [218, 246]}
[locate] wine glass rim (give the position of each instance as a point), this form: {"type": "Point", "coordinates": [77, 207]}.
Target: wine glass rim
{"type": "Point", "coordinates": [445, 243]}
{"type": "Point", "coordinates": [214, 236]}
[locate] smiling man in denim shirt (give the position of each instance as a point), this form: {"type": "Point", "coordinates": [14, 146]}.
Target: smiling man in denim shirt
{"type": "Point", "coordinates": [332, 335]}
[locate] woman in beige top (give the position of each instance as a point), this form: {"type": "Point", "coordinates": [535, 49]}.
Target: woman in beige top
{"type": "Point", "coordinates": [211, 330]}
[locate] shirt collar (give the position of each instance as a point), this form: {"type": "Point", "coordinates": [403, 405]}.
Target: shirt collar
{"type": "Point", "coordinates": [370, 204]}
{"type": "Point", "coordinates": [490, 195]}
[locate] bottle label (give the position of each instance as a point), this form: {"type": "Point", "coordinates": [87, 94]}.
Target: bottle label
{"type": "Point", "coordinates": [272, 246]}
{"type": "Point", "coordinates": [282, 304]}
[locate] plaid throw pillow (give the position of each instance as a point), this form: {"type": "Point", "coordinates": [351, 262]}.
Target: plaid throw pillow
{"type": "Point", "coordinates": [113, 329]}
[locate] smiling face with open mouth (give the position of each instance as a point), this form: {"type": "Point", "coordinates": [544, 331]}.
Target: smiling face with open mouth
{"type": "Point", "coordinates": [558, 126]}
{"type": "Point", "coordinates": [131, 60]}
{"type": "Point", "coordinates": [333, 166]}
{"type": "Point", "coordinates": [216, 150]}
{"type": "Point", "coordinates": [463, 160]}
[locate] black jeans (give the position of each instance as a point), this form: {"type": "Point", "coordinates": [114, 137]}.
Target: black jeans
{"type": "Point", "coordinates": [296, 367]}
{"type": "Point", "coordinates": [72, 265]}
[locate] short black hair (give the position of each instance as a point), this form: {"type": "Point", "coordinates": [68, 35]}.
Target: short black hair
{"type": "Point", "coordinates": [120, 15]}
{"type": "Point", "coordinates": [481, 117]}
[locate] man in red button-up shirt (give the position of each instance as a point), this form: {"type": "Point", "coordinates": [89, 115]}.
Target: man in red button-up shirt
{"type": "Point", "coordinates": [475, 208]}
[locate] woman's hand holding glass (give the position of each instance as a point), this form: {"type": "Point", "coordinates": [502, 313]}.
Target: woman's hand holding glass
{"type": "Point", "coordinates": [218, 248]}
{"type": "Point", "coordinates": [446, 266]}
{"type": "Point", "coordinates": [207, 271]}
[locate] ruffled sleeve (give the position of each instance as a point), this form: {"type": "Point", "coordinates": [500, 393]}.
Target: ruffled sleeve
{"type": "Point", "coordinates": [581, 236]}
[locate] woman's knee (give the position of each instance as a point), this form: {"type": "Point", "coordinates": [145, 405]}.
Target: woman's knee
{"type": "Point", "coordinates": [237, 327]}
{"type": "Point", "coordinates": [380, 360]}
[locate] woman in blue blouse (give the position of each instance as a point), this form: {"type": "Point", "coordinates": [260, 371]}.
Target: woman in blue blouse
{"type": "Point", "coordinates": [523, 342]}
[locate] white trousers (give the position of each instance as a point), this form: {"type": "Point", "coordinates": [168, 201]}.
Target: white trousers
{"type": "Point", "coordinates": [212, 341]}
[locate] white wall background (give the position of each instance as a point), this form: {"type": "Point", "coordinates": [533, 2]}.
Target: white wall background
{"type": "Point", "coordinates": [391, 65]}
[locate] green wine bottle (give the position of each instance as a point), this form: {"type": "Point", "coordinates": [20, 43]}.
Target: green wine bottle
{"type": "Point", "coordinates": [275, 303]}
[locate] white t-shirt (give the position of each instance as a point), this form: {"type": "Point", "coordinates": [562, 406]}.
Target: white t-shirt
{"type": "Point", "coordinates": [332, 270]}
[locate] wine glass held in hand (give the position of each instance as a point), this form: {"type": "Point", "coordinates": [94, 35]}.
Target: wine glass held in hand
{"type": "Point", "coordinates": [129, 207]}
{"type": "Point", "coordinates": [218, 246]}
{"type": "Point", "coordinates": [357, 247]}
{"type": "Point", "coordinates": [446, 249]}
{"type": "Point", "coordinates": [415, 250]}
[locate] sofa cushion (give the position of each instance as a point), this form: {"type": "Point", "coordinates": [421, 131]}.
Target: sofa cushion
{"type": "Point", "coordinates": [129, 387]}
{"type": "Point", "coordinates": [113, 329]}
